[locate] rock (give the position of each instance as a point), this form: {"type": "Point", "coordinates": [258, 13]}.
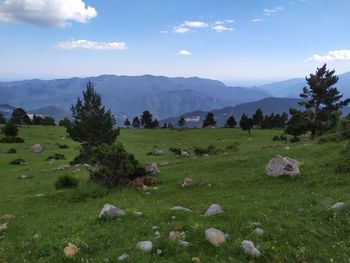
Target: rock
{"type": "Point", "coordinates": [213, 210]}
{"type": "Point", "coordinates": [258, 231]}
{"type": "Point", "coordinates": [215, 236]}
{"type": "Point", "coordinates": [155, 227]}
{"type": "Point", "coordinates": [187, 182]}
{"type": "Point", "coordinates": [206, 155]}
{"type": "Point", "coordinates": [36, 236]}
{"type": "Point", "coordinates": [37, 148]}
{"type": "Point", "coordinates": [183, 243]}
{"type": "Point", "coordinates": [159, 251]}
{"type": "Point", "coordinates": [109, 211]}
{"type": "Point", "coordinates": [173, 218]}
{"type": "Point", "coordinates": [185, 153]}
{"type": "Point", "coordinates": [71, 250]}
{"type": "Point", "coordinates": [249, 248]}
{"type": "Point", "coordinates": [165, 163]}
{"type": "Point", "coordinates": [138, 213]}
{"type": "Point", "coordinates": [123, 257]}
{"type": "Point", "coordinates": [196, 260]}
{"type": "Point", "coordinates": [282, 166]}
{"type": "Point", "coordinates": [8, 217]}
{"type": "Point", "coordinates": [158, 152]}
{"type": "Point", "coordinates": [337, 206]}
{"type": "Point", "coordinates": [152, 168]}
{"type": "Point", "coordinates": [145, 246]}
{"type": "Point", "coordinates": [63, 167]}
{"type": "Point", "coordinates": [180, 208]}
{"type": "Point", "coordinates": [3, 227]}
{"type": "Point", "coordinates": [301, 210]}
{"type": "Point", "coordinates": [157, 234]}
{"type": "Point", "coordinates": [175, 234]}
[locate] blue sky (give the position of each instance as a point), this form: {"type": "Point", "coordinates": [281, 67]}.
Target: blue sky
{"type": "Point", "coordinates": [231, 40]}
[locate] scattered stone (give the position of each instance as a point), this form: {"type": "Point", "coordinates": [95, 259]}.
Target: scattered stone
{"type": "Point", "coordinates": [123, 257]}
{"type": "Point", "coordinates": [3, 227]}
{"type": "Point", "coordinates": [155, 227]}
{"type": "Point", "coordinates": [152, 168]}
{"type": "Point", "coordinates": [145, 246]}
{"type": "Point", "coordinates": [183, 243]}
{"type": "Point", "coordinates": [185, 153]}
{"type": "Point", "coordinates": [213, 210]}
{"type": "Point", "coordinates": [63, 167]}
{"type": "Point", "coordinates": [258, 231]}
{"type": "Point", "coordinates": [173, 218]}
{"type": "Point", "coordinates": [109, 211]}
{"type": "Point", "coordinates": [148, 193]}
{"type": "Point", "coordinates": [36, 236]}
{"type": "Point", "coordinates": [37, 148]}
{"type": "Point", "coordinates": [215, 236]}
{"type": "Point", "coordinates": [187, 182]}
{"type": "Point", "coordinates": [157, 234]}
{"type": "Point", "coordinates": [175, 235]}
{"type": "Point", "coordinates": [158, 152]}
{"type": "Point", "coordinates": [159, 251]}
{"type": "Point", "coordinates": [301, 210]}
{"type": "Point", "coordinates": [71, 250]}
{"type": "Point", "coordinates": [338, 206]}
{"type": "Point", "coordinates": [196, 260]}
{"type": "Point", "coordinates": [8, 217]}
{"type": "Point", "coordinates": [282, 166]}
{"type": "Point", "coordinates": [206, 155]}
{"type": "Point", "coordinates": [24, 176]}
{"type": "Point", "coordinates": [164, 163]}
{"type": "Point", "coordinates": [287, 148]}
{"type": "Point", "coordinates": [138, 213]}
{"type": "Point", "coordinates": [180, 208]}
{"type": "Point", "coordinates": [249, 248]}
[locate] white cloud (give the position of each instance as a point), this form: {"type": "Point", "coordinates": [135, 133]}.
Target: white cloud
{"type": "Point", "coordinates": [86, 44]}
{"type": "Point", "coordinates": [340, 55]}
{"type": "Point", "coordinates": [47, 13]}
{"type": "Point", "coordinates": [273, 11]}
{"type": "Point", "coordinates": [230, 20]}
{"type": "Point", "coordinates": [187, 25]}
{"type": "Point", "coordinates": [256, 20]}
{"type": "Point", "coordinates": [185, 53]}
{"type": "Point", "coordinates": [222, 28]}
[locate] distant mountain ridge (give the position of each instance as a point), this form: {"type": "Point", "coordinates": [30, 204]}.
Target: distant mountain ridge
{"type": "Point", "coordinates": [129, 96]}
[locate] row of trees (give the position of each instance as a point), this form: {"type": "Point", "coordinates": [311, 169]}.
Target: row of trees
{"type": "Point", "coordinates": [20, 117]}
{"type": "Point", "coordinates": [146, 121]}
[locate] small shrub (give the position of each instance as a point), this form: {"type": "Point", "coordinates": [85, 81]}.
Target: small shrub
{"type": "Point", "coordinates": [12, 150]}
{"type": "Point", "coordinates": [66, 182]}
{"type": "Point", "coordinates": [211, 150]}
{"type": "Point", "coordinates": [295, 139]}
{"type": "Point", "coordinates": [233, 147]}
{"type": "Point", "coordinates": [276, 138]}
{"type": "Point", "coordinates": [283, 137]}
{"type": "Point", "coordinates": [175, 150]}
{"type": "Point", "coordinates": [56, 156]}
{"type": "Point", "coordinates": [62, 146]}
{"type": "Point", "coordinates": [147, 180]}
{"type": "Point", "coordinates": [18, 162]}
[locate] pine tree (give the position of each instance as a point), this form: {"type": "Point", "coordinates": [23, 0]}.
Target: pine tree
{"type": "Point", "coordinates": [127, 123]}
{"type": "Point", "coordinates": [2, 118]}
{"type": "Point", "coordinates": [155, 124]}
{"type": "Point", "coordinates": [182, 122]}
{"type": "Point", "coordinates": [147, 119]}
{"type": "Point", "coordinates": [136, 123]}
{"type": "Point", "coordinates": [20, 117]}
{"type": "Point", "coordinates": [209, 120]}
{"type": "Point", "coordinates": [36, 120]}
{"type": "Point", "coordinates": [65, 122]}
{"type": "Point", "coordinates": [92, 125]}
{"type": "Point", "coordinates": [170, 125]}
{"type": "Point", "coordinates": [246, 123]}
{"type": "Point", "coordinates": [231, 122]}
{"type": "Point", "coordinates": [297, 125]}
{"type": "Point", "coordinates": [258, 117]}
{"type": "Point", "coordinates": [322, 101]}
{"type": "Point", "coordinates": [165, 126]}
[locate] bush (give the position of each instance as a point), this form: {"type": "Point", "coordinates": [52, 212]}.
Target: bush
{"type": "Point", "coordinates": [233, 147]}
{"type": "Point", "coordinates": [283, 137]}
{"type": "Point", "coordinates": [56, 156]}
{"type": "Point", "coordinates": [10, 132]}
{"type": "Point", "coordinates": [343, 163]}
{"type": "Point", "coordinates": [113, 166]}
{"type": "Point", "coordinates": [62, 146]}
{"type": "Point", "coordinates": [12, 150]}
{"type": "Point", "coordinates": [276, 138]}
{"type": "Point", "coordinates": [18, 162]}
{"type": "Point", "coordinates": [295, 139]}
{"type": "Point", "coordinates": [211, 150]}
{"type": "Point", "coordinates": [175, 150]}
{"type": "Point", "coordinates": [66, 182]}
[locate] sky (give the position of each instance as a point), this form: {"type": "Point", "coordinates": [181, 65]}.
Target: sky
{"type": "Point", "coordinates": [237, 41]}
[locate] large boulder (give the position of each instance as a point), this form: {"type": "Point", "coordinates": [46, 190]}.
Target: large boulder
{"type": "Point", "coordinates": [37, 148]}
{"type": "Point", "coordinates": [152, 168]}
{"type": "Point", "coordinates": [282, 166]}
{"type": "Point", "coordinates": [110, 211]}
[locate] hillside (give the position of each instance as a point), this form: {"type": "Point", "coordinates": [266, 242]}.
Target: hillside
{"type": "Point", "coordinates": [129, 96]}
{"type": "Point", "coordinates": [268, 106]}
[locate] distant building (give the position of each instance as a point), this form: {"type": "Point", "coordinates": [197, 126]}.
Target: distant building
{"type": "Point", "coordinates": [193, 119]}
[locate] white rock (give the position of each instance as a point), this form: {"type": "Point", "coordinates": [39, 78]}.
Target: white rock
{"type": "Point", "coordinates": [215, 236]}
{"type": "Point", "coordinates": [183, 243]}
{"type": "Point", "coordinates": [37, 148]}
{"type": "Point", "coordinates": [185, 153]}
{"type": "Point", "coordinates": [213, 210]}
{"type": "Point", "coordinates": [258, 231]}
{"type": "Point", "coordinates": [111, 211]}
{"type": "Point", "coordinates": [123, 257]}
{"type": "Point", "coordinates": [282, 166]}
{"type": "Point", "coordinates": [145, 246]}
{"type": "Point", "coordinates": [180, 208]}
{"type": "Point", "coordinates": [338, 205]}
{"type": "Point", "coordinates": [152, 168]}
{"type": "Point", "coordinates": [159, 251]}
{"type": "Point", "coordinates": [250, 249]}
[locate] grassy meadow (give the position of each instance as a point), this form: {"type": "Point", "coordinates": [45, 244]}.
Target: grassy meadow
{"type": "Point", "coordinates": [48, 219]}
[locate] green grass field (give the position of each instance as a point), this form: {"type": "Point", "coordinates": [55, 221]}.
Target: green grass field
{"type": "Point", "coordinates": [47, 219]}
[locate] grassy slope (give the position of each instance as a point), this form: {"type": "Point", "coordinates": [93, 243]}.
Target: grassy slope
{"type": "Point", "coordinates": [238, 185]}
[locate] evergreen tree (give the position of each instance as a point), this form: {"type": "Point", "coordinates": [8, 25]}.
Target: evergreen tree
{"type": "Point", "coordinates": [10, 132]}
{"type": "Point", "coordinates": [322, 101]}
{"type": "Point", "coordinates": [36, 120]}
{"type": "Point", "coordinates": [20, 117]}
{"type": "Point", "coordinates": [182, 122]}
{"type": "Point", "coordinates": [297, 125]}
{"type": "Point", "coordinates": [155, 124]}
{"type": "Point", "coordinates": [170, 125]}
{"type": "Point", "coordinates": [246, 123]}
{"type": "Point", "coordinates": [258, 117]}
{"type": "Point", "coordinates": [48, 121]}
{"type": "Point", "coordinates": [127, 123]}
{"type": "Point", "coordinates": [209, 120]}
{"type": "Point", "coordinates": [92, 125]}
{"type": "Point", "coordinates": [147, 119]}
{"type": "Point", "coordinates": [165, 126]}
{"type": "Point", "coordinates": [65, 122]}
{"type": "Point", "coordinates": [136, 123]}
{"type": "Point", "coordinates": [231, 122]}
{"type": "Point", "coordinates": [2, 118]}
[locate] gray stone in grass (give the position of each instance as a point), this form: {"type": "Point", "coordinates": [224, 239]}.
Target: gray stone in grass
{"type": "Point", "coordinates": [145, 246]}
{"type": "Point", "coordinates": [185, 153]}
{"type": "Point", "coordinates": [250, 249]}
{"type": "Point", "coordinates": [213, 210]}
{"type": "Point", "coordinates": [180, 208]}
{"type": "Point", "coordinates": [258, 231]}
{"type": "Point", "coordinates": [338, 206]}
{"type": "Point", "coordinates": [282, 166]}
{"type": "Point", "coordinates": [123, 257]}
{"type": "Point", "coordinates": [110, 211]}
{"type": "Point", "coordinates": [37, 148]}
{"type": "Point", "coordinates": [158, 152]}
{"type": "Point", "coordinates": [152, 168]}
{"type": "Point", "coordinates": [215, 236]}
